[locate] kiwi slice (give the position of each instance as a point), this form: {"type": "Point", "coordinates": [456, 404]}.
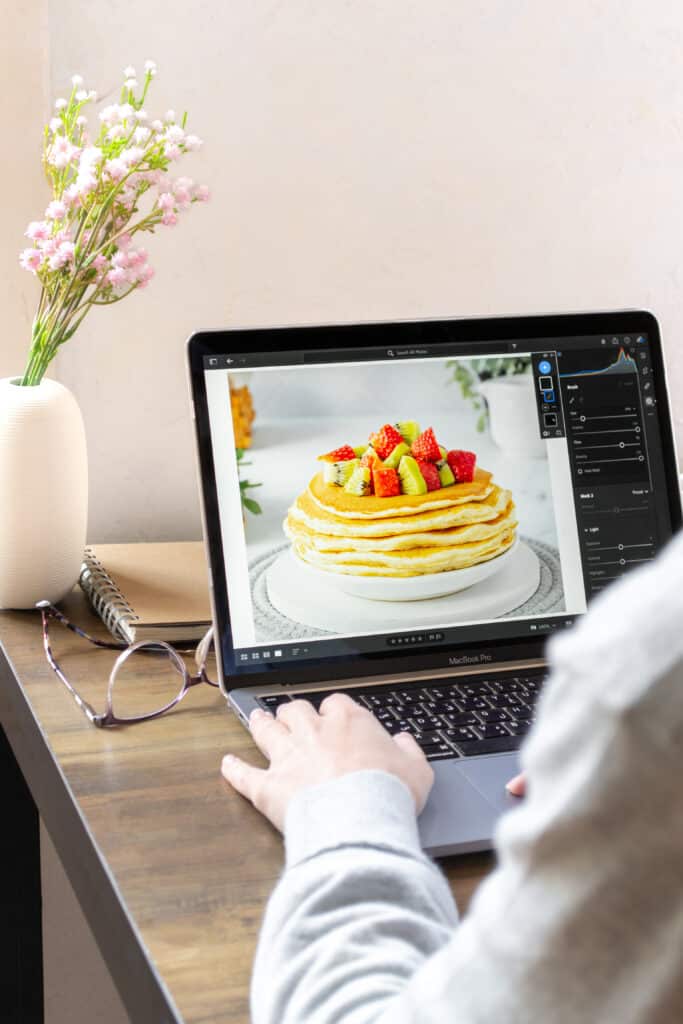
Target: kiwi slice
{"type": "Point", "coordinates": [338, 473]}
{"type": "Point", "coordinates": [409, 430]}
{"type": "Point", "coordinates": [360, 482]}
{"type": "Point", "coordinates": [392, 461]}
{"type": "Point", "coordinates": [412, 481]}
{"type": "Point", "coordinates": [445, 473]}
{"type": "Point", "coordinates": [360, 450]}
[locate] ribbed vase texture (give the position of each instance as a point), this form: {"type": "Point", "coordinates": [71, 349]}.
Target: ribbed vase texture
{"type": "Point", "coordinates": [43, 492]}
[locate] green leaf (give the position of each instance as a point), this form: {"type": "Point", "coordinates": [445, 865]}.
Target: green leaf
{"type": "Point", "coordinates": [251, 506]}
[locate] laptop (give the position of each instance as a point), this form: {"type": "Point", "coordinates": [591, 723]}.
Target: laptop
{"type": "Point", "coordinates": [423, 505]}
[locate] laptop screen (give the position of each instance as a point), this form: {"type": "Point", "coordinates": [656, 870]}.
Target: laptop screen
{"type": "Point", "coordinates": [429, 496]}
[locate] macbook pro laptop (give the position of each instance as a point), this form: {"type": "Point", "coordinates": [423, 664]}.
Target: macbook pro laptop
{"type": "Point", "coordinates": [424, 504]}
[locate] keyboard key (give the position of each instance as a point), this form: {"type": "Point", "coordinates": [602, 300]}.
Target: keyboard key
{"type": "Point", "coordinates": [491, 715]}
{"type": "Point", "coordinates": [518, 728]}
{"type": "Point", "coordinates": [496, 745]}
{"type": "Point", "coordinates": [458, 733]}
{"type": "Point", "coordinates": [271, 702]}
{"type": "Point", "coordinates": [460, 718]}
{"type": "Point", "coordinates": [494, 729]}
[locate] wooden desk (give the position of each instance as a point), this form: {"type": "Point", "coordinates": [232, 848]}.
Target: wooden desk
{"type": "Point", "coordinates": [172, 869]}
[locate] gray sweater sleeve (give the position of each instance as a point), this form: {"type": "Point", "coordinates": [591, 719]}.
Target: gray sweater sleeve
{"type": "Point", "coordinates": [583, 918]}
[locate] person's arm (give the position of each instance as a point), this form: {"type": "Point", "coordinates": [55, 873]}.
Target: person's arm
{"type": "Point", "coordinates": [582, 920]}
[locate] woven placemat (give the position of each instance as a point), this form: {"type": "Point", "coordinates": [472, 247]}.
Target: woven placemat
{"type": "Point", "coordinates": [271, 625]}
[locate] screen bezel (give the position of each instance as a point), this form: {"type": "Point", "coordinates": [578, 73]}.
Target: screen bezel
{"type": "Point", "coordinates": [394, 334]}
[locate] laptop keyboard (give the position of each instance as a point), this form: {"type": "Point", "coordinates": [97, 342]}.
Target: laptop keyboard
{"type": "Point", "coordinates": [448, 718]}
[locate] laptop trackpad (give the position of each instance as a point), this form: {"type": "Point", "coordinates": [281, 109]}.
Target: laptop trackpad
{"type": "Point", "coordinates": [488, 775]}
{"type": "Point", "coordinates": [465, 803]}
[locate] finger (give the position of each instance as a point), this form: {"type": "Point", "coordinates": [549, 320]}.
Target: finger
{"type": "Point", "coordinates": [243, 777]}
{"type": "Point", "coordinates": [339, 702]}
{"type": "Point", "coordinates": [517, 786]}
{"type": "Point", "coordinates": [267, 732]}
{"type": "Point", "coordinates": [297, 714]}
{"type": "Point", "coordinates": [409, 745]}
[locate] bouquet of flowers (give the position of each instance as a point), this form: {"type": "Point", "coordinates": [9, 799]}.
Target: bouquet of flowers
{"type": "Point", "coordinates": [108, 187]}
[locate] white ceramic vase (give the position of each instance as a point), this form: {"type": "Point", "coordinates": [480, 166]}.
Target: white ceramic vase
{"type": "Point", "coordinates": [43, 492]}
{"type": "Point", "coordinates": [513, 415]}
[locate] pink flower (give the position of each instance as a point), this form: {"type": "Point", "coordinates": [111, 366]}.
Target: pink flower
{"type": "Point", "coordinates": [182, 184]}
{"type": "Point", "coordinates": [30, 259]}
{"type": "Point", "coordinates": [85, 182]}
{"type": "Point", "coordinates": [72, 196]}
{"type": "Point", "coordinates": [157, 126]}
{"type": "Point", "coordinates": [100, 262]}
{"type": "Point", "coordinates": [169, 219]}
{"type": "Point", "coordinates": [132, 155]}
{"type": "Point", "coordinates": [58, 260]}
{"type": "Point", "coordinates": [117, 131]}
{"type": "Point", "coordinates": [183, 199]}
{"type": "Point", "coordinates": [124, 241]}
{"type": "Point", "coordinates": [202, 193]}
{"type": "Point", "coordinates": [55, 125]}
{"type": "Point", "coordinates": [146, 276]}
{"type": "Point", "coordinates": [172, 151]}
{"type": "Point", "coordinates": [150, 68]}
{"type": "Point", "coordinates": [55, 210]}
{"type": "Point", "coordinates": [81, 95]}
{"type": "Point", "coordinates": [120, 259]}
{"type": "Point", "coordinates": [166, 201]}
{"type": "Point", "coordinates": [68, 250]}
{"type": "Point", "coordinates": [81, 120]}
{"type": "Point", "coordinates": [60, 104]}
{"type": "Point", "coordinates": [141, 134]}
{"type": "Point", "coordinates": [62, 152]}
{"type": "Point", "coordinates": [116, 168]}
{"type": "Point", "coordinates": [174, 133]}
{"type": "Point", "coordinates": [91, 156]}
{"type": "Point", "coordinates": [37, 229]}
{"type": "Point", "coordinates": [193, 142]}
{"type": "Point", "coordinates": [116, 276]}
{"type": "Point", "coordinates": [110, 115]}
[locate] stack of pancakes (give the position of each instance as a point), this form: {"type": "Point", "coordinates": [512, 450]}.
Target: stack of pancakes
{"type": "Point", "coordinates": [409, 535]}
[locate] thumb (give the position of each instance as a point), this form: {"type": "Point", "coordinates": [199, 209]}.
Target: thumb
{"type": "Point", "coordinates": [409, 745]}
{"type": "Point", "coordinates": [243, 777]}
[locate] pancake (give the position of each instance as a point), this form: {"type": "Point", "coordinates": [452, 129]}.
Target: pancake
{"type": "Point", "coordinates": [446, 529]}
{"type": "Point", "coordinates": [298, 531]}
{"type": "Point", "coordinates": [348, 506]}
{"type": "Point", "coordinates": [413, 562]}
{"type": "Point", "coordinates": [307, 511]}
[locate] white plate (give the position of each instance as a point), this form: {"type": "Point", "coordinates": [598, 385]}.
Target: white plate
{"type": "Point", "coordinates": [412, 588]}
{"type": "Point", "coordinates": [309, 598]}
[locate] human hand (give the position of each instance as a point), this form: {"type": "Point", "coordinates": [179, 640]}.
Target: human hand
{"type": "Point", "coordinates": [306, 748]}
{"type": "Point", "coordinates": [517, 786]}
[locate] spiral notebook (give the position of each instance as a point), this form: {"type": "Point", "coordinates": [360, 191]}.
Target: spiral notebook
{"type": "Point", "coordinates": [144, 591]}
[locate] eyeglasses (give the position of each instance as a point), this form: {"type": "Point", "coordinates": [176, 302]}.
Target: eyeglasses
{"type": "Point", "coordinates": [165, 667]}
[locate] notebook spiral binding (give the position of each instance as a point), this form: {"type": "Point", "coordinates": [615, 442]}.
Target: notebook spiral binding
{"type": "Point", "coordinates": [105, 597]}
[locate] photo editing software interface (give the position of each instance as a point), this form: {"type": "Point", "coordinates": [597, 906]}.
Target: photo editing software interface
{"type": "Point", "coordinates": [430, 497]}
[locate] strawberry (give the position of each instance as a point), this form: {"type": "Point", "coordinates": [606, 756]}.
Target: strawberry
{"type": "Point", "coordinates": [462, 463]}
{"type": "Point", "coordinates": [385, 440]}
{"type": "Point", "coordinates": [339, 454]}
{"type": "Point", "coordinates": [425, 448]}
{"type": "Point", "coordinates": [385, 479]}
{"type": "Point", "coordinates": [430, 474]}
